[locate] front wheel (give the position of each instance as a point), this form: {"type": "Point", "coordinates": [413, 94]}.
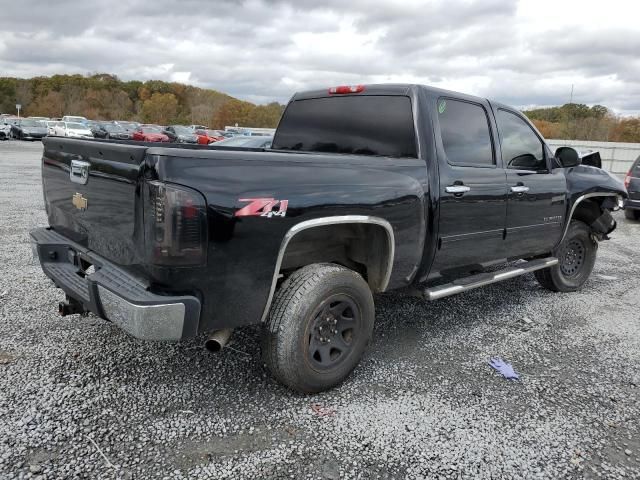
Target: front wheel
{"type": "Point", "coordinates": [576, 258]}
{"type": "Point", "coordinates": [320, 323]}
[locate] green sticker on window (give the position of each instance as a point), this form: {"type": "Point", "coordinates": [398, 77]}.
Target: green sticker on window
{"type": "Point", "coordinates": [442, 106]}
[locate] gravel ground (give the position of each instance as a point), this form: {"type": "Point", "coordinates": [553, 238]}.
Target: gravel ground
{"type": "Point", "coordinates": [81, 399]}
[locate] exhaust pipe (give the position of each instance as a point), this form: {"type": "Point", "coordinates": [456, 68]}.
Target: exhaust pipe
{"type": "Point", "coordinates": [218, 339]}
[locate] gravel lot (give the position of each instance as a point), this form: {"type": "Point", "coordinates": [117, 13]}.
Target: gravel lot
{"type": "Point", "coordinates": [81, 399]}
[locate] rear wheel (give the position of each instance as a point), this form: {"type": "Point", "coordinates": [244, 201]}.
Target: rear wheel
{"type": "Point", "coordinates": [631, 214]}
{"type": "Point", "coordinates": [576, 258]}
{"type": "Point", "coordinates": [320, 323]}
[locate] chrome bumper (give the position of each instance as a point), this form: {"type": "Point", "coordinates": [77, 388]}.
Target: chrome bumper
{"type": "Point", "coordinates": [112, 293]}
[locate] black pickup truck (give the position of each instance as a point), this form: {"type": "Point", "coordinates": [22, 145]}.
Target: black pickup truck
{"type": "Point", "coordinates": [365, 189]}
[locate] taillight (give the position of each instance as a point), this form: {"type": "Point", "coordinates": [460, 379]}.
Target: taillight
{"type": "Point", "coordinates": [627, 180]}
{"type": "Point", "coordinates": [175, 220]}
{"type": "Point", "coordinates": [341, 90]}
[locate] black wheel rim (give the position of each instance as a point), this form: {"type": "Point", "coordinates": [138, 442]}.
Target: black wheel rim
{"type": "Point", "coordinates": [572, 258]}
{"type": "Point", "coordinates": [333, 332]}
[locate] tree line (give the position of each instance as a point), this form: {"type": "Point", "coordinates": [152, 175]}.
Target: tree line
{"type": "Point", "coordinates": [106, 97]}
{"type": "Point", "coordinates": [576, 121]}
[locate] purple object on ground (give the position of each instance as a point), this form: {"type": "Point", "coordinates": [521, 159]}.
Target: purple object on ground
{"type": "Point", "coordinates": [504, 368]}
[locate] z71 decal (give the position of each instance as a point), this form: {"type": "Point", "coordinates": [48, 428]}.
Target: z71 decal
{"type": "Point", "coordinates": [262, 207]}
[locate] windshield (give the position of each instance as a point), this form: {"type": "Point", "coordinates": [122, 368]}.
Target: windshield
{"type": "Point", "coordinates": [111, 127]}
{"type": "Point", "coordinates": [76, 126]}
{"type": "Point", "coordinates": [181, 130]}
{"type": "Point", "coordinates": [31, 123]}
{"type": "Point", "coordinates": [349, 124]}
{"type": "Point", "coordinates": [150, 130]}
{"type": "Point", "coordinates": [76, 119]}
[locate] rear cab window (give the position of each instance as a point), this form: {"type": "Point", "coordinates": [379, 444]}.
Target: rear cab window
{"type": "Point", "coordinates": [378, 125]}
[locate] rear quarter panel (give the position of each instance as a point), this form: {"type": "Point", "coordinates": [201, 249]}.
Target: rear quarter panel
{"type": "Point", "coordinates": [243, 251]}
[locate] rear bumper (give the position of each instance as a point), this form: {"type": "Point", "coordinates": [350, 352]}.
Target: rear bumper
{"type": "Point", "coordinates": [113, 293]}
{"type": "Point", "coordinates": [630, 204]}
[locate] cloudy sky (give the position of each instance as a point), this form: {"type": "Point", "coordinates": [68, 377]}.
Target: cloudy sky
{"type": "Point", "coordinates": [523, 53]}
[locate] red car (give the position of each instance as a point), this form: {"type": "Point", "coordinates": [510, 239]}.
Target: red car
{"type": "Point", "coordinates": [149, 133]}
{"type": "Point", "coordinates": [205, 137]}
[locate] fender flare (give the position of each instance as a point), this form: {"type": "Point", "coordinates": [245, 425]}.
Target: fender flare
{"type": "Point", "coordinates": [322, 221]}
{"type": "Point", "coordinates": [575, 205]}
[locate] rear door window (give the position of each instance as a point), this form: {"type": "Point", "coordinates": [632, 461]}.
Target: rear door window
{"type": "Point", "coordinates": [362, 125]}
{"type": "Point", "coordinates": [466, 138]}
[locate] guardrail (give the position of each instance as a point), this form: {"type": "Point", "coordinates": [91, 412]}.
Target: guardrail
{"type": "Point", "coordinates": [617, 157]}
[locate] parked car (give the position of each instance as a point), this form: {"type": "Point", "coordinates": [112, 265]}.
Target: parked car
{"type": "Point", "coordinates": [50, 126]}
{"type": "Point", "coordinates": [5, 130]}
{"type": "Point", "coordinates": [27, 129]}
{"type": "Point", "coordinates": [110, 130]}
{"type": "Point", "coordinates": [193, 128]}
{"type": "Point", "coordinates": [205, 137]}
{"type": "Point", "coordinates": [416, 185]}
{"type": "Point", "coordinates": [258, 141]}
{"type": "Point", "coordinates": [74, 119]}
{"type": "Point", "coordinates": [632, 182]}
{"type": "Point", "coordinates": [180, 134]}
{"type": "Point", "coordinates": [128, 126]}
{"type": "Point", "coordinates": [149, 133]}
{"type": "Point", "coordinates": [71, 129]}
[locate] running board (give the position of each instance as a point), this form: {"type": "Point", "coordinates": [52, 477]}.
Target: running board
{"type": "Point", "coordinates": [482, 279]}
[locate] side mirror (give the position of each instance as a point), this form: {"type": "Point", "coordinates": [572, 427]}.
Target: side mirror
{"type": "Point", "coordinates": [568, 157]}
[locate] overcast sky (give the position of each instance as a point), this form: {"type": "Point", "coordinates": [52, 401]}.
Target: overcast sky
{"type": "Point", "coordinates": [522, 53]}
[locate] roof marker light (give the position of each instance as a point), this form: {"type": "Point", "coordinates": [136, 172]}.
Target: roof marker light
{"type": "Point", "coordinates": [342, 89]}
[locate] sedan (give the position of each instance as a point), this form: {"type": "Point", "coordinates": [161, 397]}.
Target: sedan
{"type": "Point", "coordinates": [246, 142]}
{"type": "Point", "coordinates": [205, 137]}
{"type": "Point", "coordinates": [180, 134]}
{"type": "Point", "coordinates": [27, 129]}
{"type": "Point", "coordinates": [72, 130]}
{"type": "Point", "coordinates": [149, 133]}
{"type": "Point", "coordinates": [5, 130]}
{"type": "Point", "coordinates": [110, 130]}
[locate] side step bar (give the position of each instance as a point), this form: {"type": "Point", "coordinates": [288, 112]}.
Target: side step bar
{"type": "Point", "coordinates": [482, 279]}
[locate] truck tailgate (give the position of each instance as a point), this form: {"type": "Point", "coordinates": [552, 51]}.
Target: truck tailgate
{"type": "Point", "coordinates": [91, 190]}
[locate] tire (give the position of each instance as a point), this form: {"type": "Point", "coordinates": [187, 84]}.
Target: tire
{"type": "Point", "coordinates": [317, 303]}
{"type": "Point", "coordinates": [576, 256]}
{"type": "Point", "coordinates": [631, 214]}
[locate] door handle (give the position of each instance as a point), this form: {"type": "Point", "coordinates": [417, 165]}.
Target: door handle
{"type": "Point", "coordinates": [457, 189]}
{"type": "Point", "coordinates": [520, 189]}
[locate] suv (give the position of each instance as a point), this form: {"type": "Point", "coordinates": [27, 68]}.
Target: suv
{"type": "Point", "coordinates": [632, 182]}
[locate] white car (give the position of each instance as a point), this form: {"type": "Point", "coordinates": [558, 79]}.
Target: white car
{"type": "Point", "coordinates": [5, 130]}
{"type": "Point", "coordinates": [50, 124]}
{"type": "Point", "coordinates": [75, 119]}
{"type": "Point", "coordinates": [72, 129]}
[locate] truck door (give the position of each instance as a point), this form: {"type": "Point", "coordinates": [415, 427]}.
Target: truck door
{"type": "Point", "coordinates": [536, 202]}
{"type": "Point", "coordinates": [473, 193]}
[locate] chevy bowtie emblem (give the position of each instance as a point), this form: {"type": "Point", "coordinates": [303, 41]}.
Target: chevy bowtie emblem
{"type": "Point", "coordinates": [79, 201]}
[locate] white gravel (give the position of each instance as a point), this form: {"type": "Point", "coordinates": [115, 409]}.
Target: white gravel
{"type": "Point", "coordinates": [79, 398]}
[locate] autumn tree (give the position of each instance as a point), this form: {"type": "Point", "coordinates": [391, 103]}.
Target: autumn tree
{"type": "Point", "coordinates": [160, 108]}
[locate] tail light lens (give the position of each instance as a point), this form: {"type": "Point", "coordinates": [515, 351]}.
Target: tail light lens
{"type": "Point", "coordinates": [627, 180]}
{"type": "Point", "coordinates": [175, 220]}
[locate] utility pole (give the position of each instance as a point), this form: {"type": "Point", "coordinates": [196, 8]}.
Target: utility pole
{"type": "Point", "coordinates": [569, 133]}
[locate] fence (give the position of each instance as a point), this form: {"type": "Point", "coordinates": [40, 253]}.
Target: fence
{"type": "Point", "coordinates": [616, 157]}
